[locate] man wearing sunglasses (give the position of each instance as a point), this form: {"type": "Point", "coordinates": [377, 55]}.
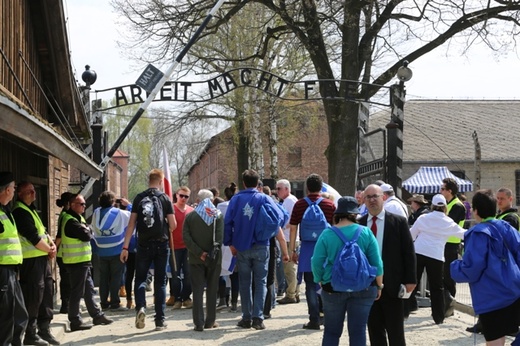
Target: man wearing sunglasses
{"type": "Point", "coordinates": [35, 271]}
{"type": "Point", "coordinates": [180, 289]}
{"type": "Point", "coordinates": [77, 254]}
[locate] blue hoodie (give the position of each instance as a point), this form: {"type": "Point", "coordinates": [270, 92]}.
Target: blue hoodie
{"type": "Point", "coordinates": [482, 265]}
{"type": "Point", "coordinates": [240, 220]}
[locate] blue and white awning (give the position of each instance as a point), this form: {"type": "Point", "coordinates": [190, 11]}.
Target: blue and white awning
{"type": "Point", "coordinates": [428, 180]}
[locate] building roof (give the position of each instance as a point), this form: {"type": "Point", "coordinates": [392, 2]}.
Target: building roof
{"type": "Point", "coordinates": [441, 130]}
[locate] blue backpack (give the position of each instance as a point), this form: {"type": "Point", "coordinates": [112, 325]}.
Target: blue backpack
{"type": "Point", "coordinates": [351, 270]}
{"type": "Point", "coordinates": [269, 220]}
{"type": "Point", "coordinates": [313, 221]}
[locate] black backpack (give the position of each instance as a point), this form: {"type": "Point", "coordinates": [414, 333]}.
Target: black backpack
{"type": "Point", "coordinates": [150, 216]}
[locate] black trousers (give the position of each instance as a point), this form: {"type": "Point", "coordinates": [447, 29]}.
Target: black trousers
{"type": "Point", "coordinates": [81, 286]}
{"type": "Point", "coordinates": [386, 318]}
{"type": "Point", "coordinates": [129, 275]}
{"type": "Point", "coordinates": [434, 271]}
{"type": "Point", "coordinates": [64, 282]}
{"type": "Point", "coordinates": [451, 253]}
{"type": "Point", "coordinates": [13, 315]}
{"type": "Point", "coordinates": [271, 268]}
{"type": "Point", "coordinates": [38, 291]}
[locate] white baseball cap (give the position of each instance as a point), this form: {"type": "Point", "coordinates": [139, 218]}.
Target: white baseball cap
{"type": "Point", "coordinates": [439, 200]}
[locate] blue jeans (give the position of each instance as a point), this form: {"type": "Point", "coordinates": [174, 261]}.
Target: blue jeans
{"type": "Point", "coordinates": [253, 263]}
{"type": "Point", "coordinates": [110, 276]}
{"type": "Point", "coordinates": [180, 289]}
{"type": "Point", "coordinates": [357, 307]}
{"type": "Point", "coordinates": [312, 297]}
{"type": "Point", "coordinates": [157, 253]}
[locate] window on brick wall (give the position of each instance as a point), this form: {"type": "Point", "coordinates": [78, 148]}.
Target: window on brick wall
{"type": "Point", "coordinates": [517, 186]}
{"type": "Point", "coordinates": [294, 157]}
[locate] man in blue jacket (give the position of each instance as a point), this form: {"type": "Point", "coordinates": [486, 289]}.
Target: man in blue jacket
{"type": "Point", "coordinates": [252, 255]}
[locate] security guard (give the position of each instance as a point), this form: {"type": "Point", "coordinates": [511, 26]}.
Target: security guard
{"type": "Point", "coordinates": [506, 211]}
{"type": "Point", "coordinates": [77, 255]}
{"type": "Point", "coordinates": [35, 272]}
{"type": "Point", "coordinates": [457, 212]}
{"type": "Point", "coordinates": [13, 315]}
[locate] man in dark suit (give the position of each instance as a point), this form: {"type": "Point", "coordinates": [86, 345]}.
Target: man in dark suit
{"type": "Point", "coordinates": [399, 262]}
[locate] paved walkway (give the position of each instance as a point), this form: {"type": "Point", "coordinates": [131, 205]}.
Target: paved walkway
{"type": "Point", "coordinates": [284, 328]}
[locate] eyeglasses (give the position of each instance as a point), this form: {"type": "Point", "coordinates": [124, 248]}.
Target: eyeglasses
{"type": "Point", "coordinates": [82, 204]}
{"type": "Point", "coordinates": [279, 188]}
{"type": "Point", "coordinates": [369, 197]}
{"type": "Point", "coordinates": [30, 192]}
{"type": "Point", "coordinates": [183, 196]}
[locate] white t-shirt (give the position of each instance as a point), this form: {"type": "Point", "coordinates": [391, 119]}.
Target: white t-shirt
{"type": "Point", "coordinates": [288, 204]}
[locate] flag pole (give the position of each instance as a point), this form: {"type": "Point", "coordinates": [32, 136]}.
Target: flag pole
{"type": "Point", "coordinates": [152, 95]}
{"type": "Point", "coordinates": [168, 190]}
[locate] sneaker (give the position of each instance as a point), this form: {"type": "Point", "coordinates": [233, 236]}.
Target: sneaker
{"type": "Point", "coordinates": [234, 307]}
{"type": "Point", "coordinates": [286, 300]}
{"type": "Point", "coordinates": [244, 323]}
{"type": "Point", "coordinates": [187, 304]}
{"type": "Point", "coordinates": [221, 305]}
{"type": "Point", "coordinates": [297, 297]}
{"type": "Point", "coordinates": [177, 305]}
{"type": "Point", "coordinates": [139, 318]}
{"type": "Point", "coordinates": [170, 301]}
{"type": "Point", "coordinates": [258, 323]}
{"type": "Point", "coordinates": [198, 328]}
{"type": "Point", "coordinates": [160, 326]}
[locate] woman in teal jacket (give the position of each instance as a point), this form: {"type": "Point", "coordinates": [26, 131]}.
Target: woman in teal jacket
{"type": "Point", "coordinates": [336, 304]}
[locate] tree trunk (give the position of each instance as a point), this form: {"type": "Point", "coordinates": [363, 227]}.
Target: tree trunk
{"type": "Point", "coordinates": [342, 119]}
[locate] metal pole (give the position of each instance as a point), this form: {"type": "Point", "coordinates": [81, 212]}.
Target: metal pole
{"type": "Point", "coordinates": [152, 95]}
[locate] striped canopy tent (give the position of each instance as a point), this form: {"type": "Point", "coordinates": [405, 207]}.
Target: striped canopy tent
{"type": "Point", "coordinates": [428, 180]}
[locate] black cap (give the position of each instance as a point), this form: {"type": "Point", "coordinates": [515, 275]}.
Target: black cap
{"type": "Point", "coordinates": [6, 178]}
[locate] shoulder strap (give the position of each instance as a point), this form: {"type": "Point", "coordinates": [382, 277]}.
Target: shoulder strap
{"type": "Point", "coordinates": [342, 236]}
{"type": "Point", "coordinates": [339, 234]}
{"type": "Point", "coordinates": [309, 202]}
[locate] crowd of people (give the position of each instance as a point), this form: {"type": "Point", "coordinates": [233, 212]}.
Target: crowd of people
{"type": "Point", "coordinates": [213, 248]}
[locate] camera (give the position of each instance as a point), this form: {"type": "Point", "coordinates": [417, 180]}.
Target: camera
{"type": "Point", "coordinates": [213, 253]}
{"type": "Point", "coordinates": [118, 200]}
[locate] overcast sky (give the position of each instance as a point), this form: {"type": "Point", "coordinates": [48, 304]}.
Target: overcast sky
{"type": "Point", "coordinates": [93, 35]}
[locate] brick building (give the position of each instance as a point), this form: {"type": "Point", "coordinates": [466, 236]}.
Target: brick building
{"type": "Point", "coordinates": [302, 141]}
{"type": "Point", "coordinates": [436, 133]}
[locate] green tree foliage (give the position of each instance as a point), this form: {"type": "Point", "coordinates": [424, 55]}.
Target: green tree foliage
{"type": "Point", "coordinates": [357, 40]}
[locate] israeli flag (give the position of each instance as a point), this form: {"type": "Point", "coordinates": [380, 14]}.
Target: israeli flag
{"type": "Point", "coordinates": [333, 192]}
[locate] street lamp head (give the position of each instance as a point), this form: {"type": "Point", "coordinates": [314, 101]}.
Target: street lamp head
{"type": "Point", "coordinates": [89, 76]}
{"type": "Point", "coordinates": [404, 73]}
